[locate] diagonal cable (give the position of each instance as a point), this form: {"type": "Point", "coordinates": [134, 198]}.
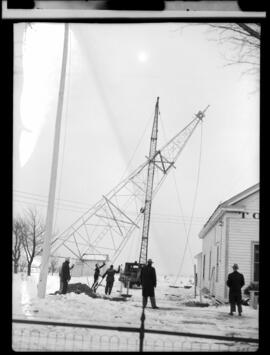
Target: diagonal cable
{"type": "Point", "coordinates": [193, 207]}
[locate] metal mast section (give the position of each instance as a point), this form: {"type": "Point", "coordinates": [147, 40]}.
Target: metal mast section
{"type": "Point", "coordinates": [106, 227]}
{"type": "Point", "coordinates": [149, 188]}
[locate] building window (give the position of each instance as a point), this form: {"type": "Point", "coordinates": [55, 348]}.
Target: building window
{"type": "Point", "coordinates": [217, 267]}
{"type": "Point", "coordinates": [255, 262]}
{"type": "Point", "coordinates": [203, 266]}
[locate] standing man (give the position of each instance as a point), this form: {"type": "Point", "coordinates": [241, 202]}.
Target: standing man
{"type": "Point", "coordinates": [235, 282]}
{"type": "Point", "coordinates": [60, 279]}
{"type": "Point", "coordinates": [96, 276]}
{"type": "Point", "coordinates": [110, 279]}
{"type": "Point", "coordinates": [65, 275]}
{"type": "Point", "coordinates": [149, 282]}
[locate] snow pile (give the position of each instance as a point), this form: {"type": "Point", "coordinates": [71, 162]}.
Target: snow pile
{"type": "Point", "coordinates": [175, 313]}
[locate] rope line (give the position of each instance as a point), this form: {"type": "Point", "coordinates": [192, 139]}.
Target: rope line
{"type": "Point", "coordinates": [140, 141]}
{"type": "Point", "coordinates": [180, 205]}
{"type": "Point", "coordinates": [184, 223]}
{"type": "Point", "coordinates": [193, 207]}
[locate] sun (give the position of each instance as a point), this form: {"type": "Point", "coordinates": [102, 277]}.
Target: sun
{"type": "Point", "coordinates": [142, 56]}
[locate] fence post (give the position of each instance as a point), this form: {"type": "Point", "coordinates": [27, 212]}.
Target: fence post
{"type": "Point", "coordinates": [142, 330]}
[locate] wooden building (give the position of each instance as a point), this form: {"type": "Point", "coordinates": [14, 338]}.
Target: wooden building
{"type": "Point", "coordinates": [231, 235]}
{"type": "Point", "coordinates": [86, 266]}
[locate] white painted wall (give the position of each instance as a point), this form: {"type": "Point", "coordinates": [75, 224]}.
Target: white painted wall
{"type": "Point", "coordinates": [199, 269]}
{"type": "Point", "coordinates": [243, 233]}
{"type": "Point", "coordinates": [234, 236]}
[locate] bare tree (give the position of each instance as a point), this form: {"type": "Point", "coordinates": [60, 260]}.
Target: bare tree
{"type": "Point", "coordinates": [32, 236]}
{"type": "Point", "coordinates": [16, 242]}
{"type": "Point", "coordinates": [22, 264]}
{"type": "Point", "coordinates": [244, 41]}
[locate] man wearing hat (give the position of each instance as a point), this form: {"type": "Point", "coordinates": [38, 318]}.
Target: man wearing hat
{"type": "Point", "coordinates": [149, 282]}
{"type": "Point", "coordinates": [96, 276]}
{"type": "Point", "coordinates": [235, 282]}
{"type": "Point", "coordinates": [110, 279]}
{"type": "Point", "coordinates": [65, 275]}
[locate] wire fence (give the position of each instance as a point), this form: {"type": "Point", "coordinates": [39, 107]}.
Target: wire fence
{"type": "Point", "coordinates": [34, 335]}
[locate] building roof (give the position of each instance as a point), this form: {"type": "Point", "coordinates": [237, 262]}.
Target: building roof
{"type": "Point", "coordinates": [227, 205]}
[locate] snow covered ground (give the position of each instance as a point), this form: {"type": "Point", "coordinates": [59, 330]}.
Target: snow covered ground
{"type": "Point", "coordinates": [173, 315]}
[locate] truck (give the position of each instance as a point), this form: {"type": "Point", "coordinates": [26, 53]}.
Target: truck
{"type": "Point", "coordinates": [131, 274]}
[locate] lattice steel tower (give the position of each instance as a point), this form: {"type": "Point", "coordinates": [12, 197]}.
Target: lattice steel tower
{"type": "Point", "coordinates": [149, 188]}
{"type": "Point", "coordinates": [106, 227]}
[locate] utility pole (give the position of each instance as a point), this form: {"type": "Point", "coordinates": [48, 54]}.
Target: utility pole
{"type": "Point", "coordinates": [50, 209]}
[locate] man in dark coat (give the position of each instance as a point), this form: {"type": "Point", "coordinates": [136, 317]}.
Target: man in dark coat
{"type": "Point", "coordinates": [96, 276]}
{"type": "Point", "coordinates": [110, 279]}
{"type": "Point", "coordinates": [149, 282]}
{"type": "Point", "coordinates": [65, 275]}
{"type": "Point", "coordinates": [235, 282]}
{"type": "Point", "coordinates": [61, 278]}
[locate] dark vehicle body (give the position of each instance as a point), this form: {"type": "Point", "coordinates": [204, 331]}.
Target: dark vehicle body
{"type": "Point", "coordinates": [131, 274]}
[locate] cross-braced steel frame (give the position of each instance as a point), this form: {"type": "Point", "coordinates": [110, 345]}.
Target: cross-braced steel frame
{"type": "Point", "coordinates": [106, 227]}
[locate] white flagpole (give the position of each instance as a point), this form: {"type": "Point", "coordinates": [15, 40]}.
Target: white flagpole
{"type": "Point", "coordinates": [50, 209]}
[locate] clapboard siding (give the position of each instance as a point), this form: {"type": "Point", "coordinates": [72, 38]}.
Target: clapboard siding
{"type": "Point", "coordinates": [235, 233]}
{"type": "Point", "coordinates": [208, 248]}
{"type": "Point", "coordinates": [215, 238]}
{"type": "Point", "coordinates": [243, 233]}
{"type": "Point", "coordinates": [220, 285]}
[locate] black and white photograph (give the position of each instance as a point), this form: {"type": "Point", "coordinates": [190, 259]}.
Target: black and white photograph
{"type": "Point", "coordinates": [136, 185]}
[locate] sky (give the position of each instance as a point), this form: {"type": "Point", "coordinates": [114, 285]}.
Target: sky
{"type": "Point", "coordinates": [115, 72]}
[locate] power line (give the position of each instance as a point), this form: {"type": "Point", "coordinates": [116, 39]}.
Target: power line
{"type": "Point", "coordinates": [58, 199]}
{"type": "Point", "coordinates": [76, 204]}
{"type": "Point", "coordinates": [154, 219]}
{"type": "Point", "coordinates": [44, 204]}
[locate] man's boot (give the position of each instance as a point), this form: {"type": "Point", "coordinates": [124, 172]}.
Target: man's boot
{"type": "Point", "coordinates": [153, 302]}
{"type": "Point", "coordinates": [232, 308]}
{"type": "Point", "coordinates": [239, 306]}
{"type": "Point", "coordinates": [144, 300]}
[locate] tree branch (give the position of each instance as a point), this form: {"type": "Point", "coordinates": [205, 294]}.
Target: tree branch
{"type": "Point", "coordinates": [250, 30]}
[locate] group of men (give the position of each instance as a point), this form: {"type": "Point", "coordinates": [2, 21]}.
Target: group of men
{"type": "Point", "coordinates": [147, 276]}
{"type": "Point", "coordinates": [109, 279]}
{"type": "Point", "coordinates": [148, 280]}
{"type": "Point", "coordinates": [64, 275]}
